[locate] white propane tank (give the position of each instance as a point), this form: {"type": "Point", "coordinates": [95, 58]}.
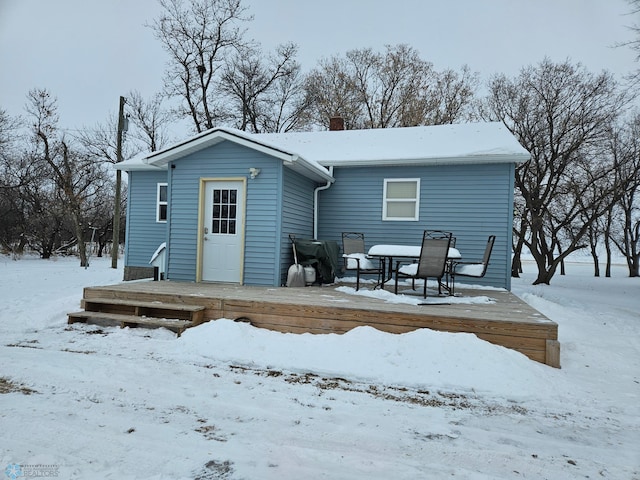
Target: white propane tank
{"type": "Point", "coordinates": [309, 275]}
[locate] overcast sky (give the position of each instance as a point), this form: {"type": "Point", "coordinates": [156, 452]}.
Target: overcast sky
{"type": "Point", "coordinates": [89, 52]}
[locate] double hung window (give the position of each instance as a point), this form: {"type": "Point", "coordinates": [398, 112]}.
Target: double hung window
{"type": "Point", "coordinates": [401, 199]}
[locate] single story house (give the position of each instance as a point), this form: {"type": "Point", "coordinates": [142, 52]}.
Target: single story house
{"type": "Point", "coordinates": [224, 202]}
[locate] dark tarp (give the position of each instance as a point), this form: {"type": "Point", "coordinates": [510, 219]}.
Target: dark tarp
{"type": "Point", "coordinates": [321, 254]}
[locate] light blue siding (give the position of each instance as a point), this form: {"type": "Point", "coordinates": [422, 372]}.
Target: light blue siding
{"type": "Point", "coordinates": [143, 233]}
{"type": "Point", "coordinates": [263, 197]}
{"type": "Point", "coordinates": [263, 221]}
{"type": "Point", "coordinates": [472, 201]}
{"type": "Point", "coordinates": [297, 216]}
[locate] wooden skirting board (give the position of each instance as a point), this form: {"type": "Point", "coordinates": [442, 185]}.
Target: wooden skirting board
{"type": "Point", "coordinates": [508, 322]}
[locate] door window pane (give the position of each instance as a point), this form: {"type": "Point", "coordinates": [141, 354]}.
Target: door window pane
{"type": "Point", "coordinates": [224, 211]}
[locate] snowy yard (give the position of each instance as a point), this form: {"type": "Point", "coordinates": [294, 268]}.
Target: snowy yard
{"type": "Point", "coordinates": [229, 401]}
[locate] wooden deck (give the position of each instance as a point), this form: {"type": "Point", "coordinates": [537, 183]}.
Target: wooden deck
{"type": "Point", "coordinates": [508, 322]}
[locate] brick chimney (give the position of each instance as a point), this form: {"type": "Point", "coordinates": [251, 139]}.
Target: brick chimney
{"type": "Point", "coordinates": [336, 123]}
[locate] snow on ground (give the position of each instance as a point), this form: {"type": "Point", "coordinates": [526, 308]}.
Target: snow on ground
{"type": "Point", "coordinates": [229, 401]}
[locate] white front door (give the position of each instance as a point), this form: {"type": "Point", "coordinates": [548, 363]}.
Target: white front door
{"type": "Point", "coordinates": [223, 221]}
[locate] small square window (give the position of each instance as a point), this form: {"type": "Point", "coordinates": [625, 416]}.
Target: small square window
{"type": "Point", "coordinates": [401, 199]}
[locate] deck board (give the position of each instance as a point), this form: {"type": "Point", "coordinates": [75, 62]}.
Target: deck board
{"type": "Point", "coordinates": [509, 321]}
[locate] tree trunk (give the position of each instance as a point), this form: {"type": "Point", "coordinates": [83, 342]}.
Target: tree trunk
{"type": "Point", "coordinates": [48, 245]}
{"type": "Point", "coordinates": [633, 257]}
{"type": "Point", "coordinates": [516, 265]}
{"type": "Point", "coordinates": [82, 247]}
{"type": "Point", "coordinates": [596, 264]}
{"type": "Point", "coordinates": [634, 266]}
{"type": "Point", "coordinates": [541, 262]}
{"type": "Point", "coordinates": [543, 278]}
{"type": "Point", "coordinates": [634, 271]}
{"type": "Point", "coordinates": [546, 267]}
{"type": "Point", "coordinates": [545, 274]}
{"type": "Point", "coordinates": [607, 246]}
{"type": "Point", "coordinates": [21, 245]}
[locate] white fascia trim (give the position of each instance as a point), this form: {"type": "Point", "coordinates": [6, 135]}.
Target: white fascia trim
{"type": "Point", "coordinates": [466, 160]}
{"type": "Point", "coordinates": [139, 167]}
{"type": "Point", "coordinates": [206, 140]}
{"type": "Point", "coordinates": [293, 160]}
{"type": "Point", "coordinates": [308, 169]}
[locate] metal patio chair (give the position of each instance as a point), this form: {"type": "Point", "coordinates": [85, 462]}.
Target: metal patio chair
{"type": "Point", "coordinates": [432, 262]}
{"type": "Point", "coordinates": [472, 269]}
{"type": "Point", "coordinates": [452, 243]}
{"type": "Point", "coordinates": [355, 258]}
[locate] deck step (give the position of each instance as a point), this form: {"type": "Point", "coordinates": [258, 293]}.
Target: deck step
{"type": "Point", "coordinates": [179, 311]}
{"type": "Point", "coordinates": [177, 326]}
{"type": "Point", "coordinates": [159, 305]}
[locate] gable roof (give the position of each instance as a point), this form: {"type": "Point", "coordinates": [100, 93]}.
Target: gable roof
{"type": "Point", "coordinates": [161, 158]}
{"type": "Point", "coordinates": [488, 142]}
{"type": "Point", "coordinates": [311, 152]}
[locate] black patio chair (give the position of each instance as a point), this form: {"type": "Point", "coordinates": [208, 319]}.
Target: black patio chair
{"type": "Point", "coordinates": [432, 262]}
{"type": "Point", "coordinates": [472, 269]}
{"type": "Point", "coordinates": [452, 243]}
{"type": "Point", "coordinates": [355, 258]}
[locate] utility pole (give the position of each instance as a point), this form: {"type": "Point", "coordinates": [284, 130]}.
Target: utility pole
{"type": "Point", "coordinates": [116, 215]}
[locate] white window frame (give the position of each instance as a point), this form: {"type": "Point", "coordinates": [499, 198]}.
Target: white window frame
{"type": "Point", "coordinates": [386, 201]}
{"type": "Point", "coordinates": [160, 203]}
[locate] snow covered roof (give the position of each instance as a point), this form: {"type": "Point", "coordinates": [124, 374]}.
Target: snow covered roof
{"type": "Point", "coordinates": [488, 142]}
{"type": "Point", "coordinates": [311, 152]}
{"type": "Point", "coordinates": [138, 163]}
{"type": "Point", "coordinates": [306, 167]}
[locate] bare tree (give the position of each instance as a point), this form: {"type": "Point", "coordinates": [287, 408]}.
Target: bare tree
{"type": "Point", "coordinates": [146, 121]}
{"type": "Point", "coordinates": [99, 216]}
{"type": "Point", "coordinates": [43, 216]}
{"type": "Point", "coordinates": [100, 142]}
{"type": "Point", "coordinates": [150, 120]}
{"type": "Point", "coordinates": [264, 91]}
{"type": "Point", "coordinates": [288, 105]}
{"type": "Point", "coordinates": [76, 177]}
{"type": "Point", "coordinates": [393, 89]}
{"type": "Point", "coordinates": [28, 216]}
{"type": "Point", "coordinates": [198, 35]}
{"type": "Point", "coordinates": [560, 113]}
{"type": "Point", "coordinates": [386, 83]}
{"type": "Point", "coordinates": [623, 219]}
{"type": "Point", "coordinates": [13, 175]}
{"type": "Point", "coordinates": [9, 134]}
{"type": "Point", "coordinates": [634, 44]}
{"type": "Point", "coordinates": [452, 98]}
{"type": "Point", "coordinates": [147, 131]}
{"type": "Point", "coordinates": [331, 90]}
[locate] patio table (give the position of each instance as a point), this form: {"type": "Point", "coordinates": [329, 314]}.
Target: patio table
{"type": "Point", "coordinates": [389, 252]}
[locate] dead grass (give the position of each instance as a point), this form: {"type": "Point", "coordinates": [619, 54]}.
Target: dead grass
{"type": "Point", "coordinates": [419, 397]}
{"type": "Point", "coordinates": [7, 386]}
